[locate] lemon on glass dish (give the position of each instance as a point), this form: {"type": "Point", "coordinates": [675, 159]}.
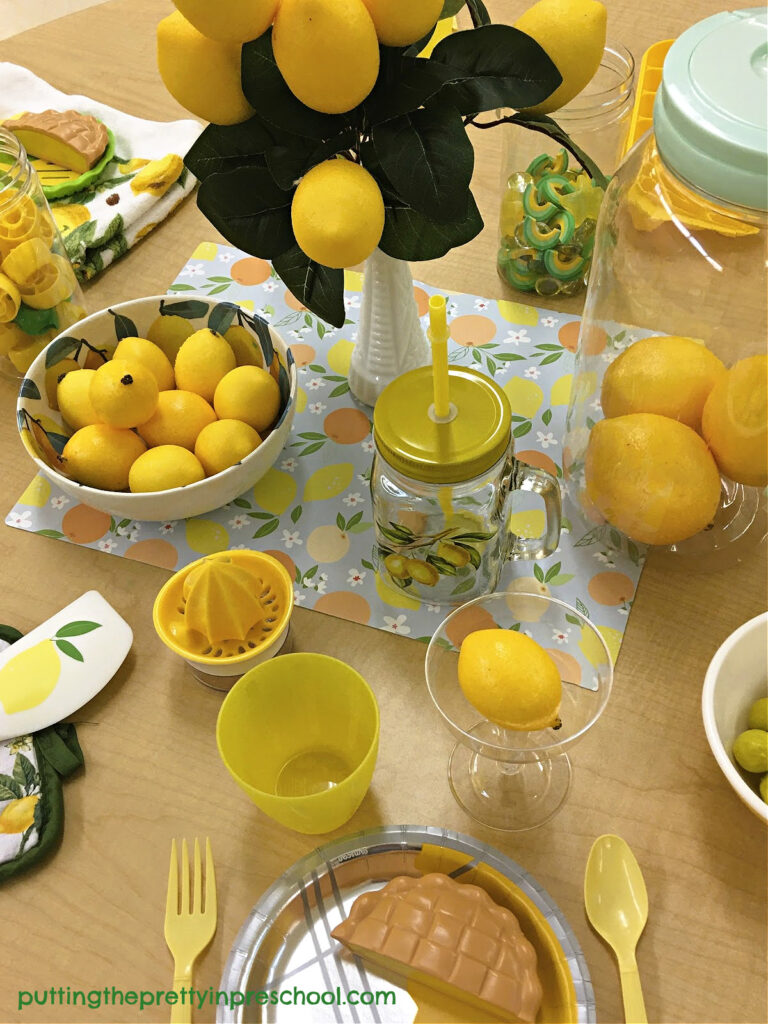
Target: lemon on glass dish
{"type": "Point", "coordinates": [111, 423]}
{"type": "Point", "coordinates": [516, 702]}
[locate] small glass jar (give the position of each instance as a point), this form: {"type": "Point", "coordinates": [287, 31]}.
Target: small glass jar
{"type": "Point", "coordinates": [662, 445]}
{"type": "Point", "coordinates": [39, 294]}
{"type": "Point", "coordinates": [549, 204]}
{"type": "Point", "coordinates": [441, 489]}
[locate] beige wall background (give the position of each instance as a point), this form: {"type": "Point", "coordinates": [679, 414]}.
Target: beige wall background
{"type": "Point", "coordinates": [19, 15]}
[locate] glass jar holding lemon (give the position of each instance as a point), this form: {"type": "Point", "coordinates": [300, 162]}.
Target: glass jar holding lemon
{"type": "Point", "coordinates": [667, 426]}
{"type": "Point", "coordinates": [39, 295]}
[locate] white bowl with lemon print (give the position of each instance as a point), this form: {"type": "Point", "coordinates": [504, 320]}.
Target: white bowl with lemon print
{"type": "Point", "coordinates": [167, 322]}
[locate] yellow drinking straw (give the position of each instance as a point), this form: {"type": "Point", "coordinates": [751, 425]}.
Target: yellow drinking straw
{"type": "Point", "coordinates": [438, 336]}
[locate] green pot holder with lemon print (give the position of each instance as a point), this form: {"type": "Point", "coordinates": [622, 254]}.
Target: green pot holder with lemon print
{"type": "Point", "coordinates": [31, 801]}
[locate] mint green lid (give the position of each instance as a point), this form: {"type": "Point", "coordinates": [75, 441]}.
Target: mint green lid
{"type": "Point", "coordinates": [711, 111]}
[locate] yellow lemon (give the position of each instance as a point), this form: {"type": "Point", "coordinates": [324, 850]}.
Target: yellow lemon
{"type": "Point", "coordinates": [74, 399]}
{"type": "Point", "coordinates": [205, 536]}
{"type": "Point", "coordinates": [69, 217]}
{"type": "Point", "coordinates": [203, 359]}
{"type": "Point", "coordinates": [123, 394]}
{"type": "Point", "coordinates": [30, 677]}
{"type": "Point", "coordinates": [160, 469]}
{"type": "Point", "coordinates": [572, 32]}
{"type": "Point", "coordinates": [340, 356]}
{"type": "Point", "coordinates": [36, 493]}
{"type": "Point", "coordinates": [157, 176]}
{"type": "Point", "coordinates": [275, 491]}
{"type": "Point", "coordinates": [510, 679]}
{"type": "Point", "coordinates": [101, 456]}
{"type": "Point", "coordinates": [225, 443]}
{"type": "Point", "coordinates": [735, 422]}
{"type": "Point", "coordinates": [394, 597]}
{"type": "Point", "coordinates": [169, 333]}
{"type": "Point", "coordinates": [670, 376]}
{"type": "Point", "coordinates": [177, 420]}
{"type": "Point", "coordinates": [203, 75]}
{"type": "Point", "coordinates": [229, 21]}
{"type": "Point", "coordinates": [402, 22]}
{"type": "Point", "coordinates": [750, 749]}
{"type": "Point", "coordinates": [327, 52]}
{"type": "Point", "coordinates": [591, 648]}
{"type": "Point", "coordinates": [247, 350]}
{"type": "Point", "coordinates": [338, 213]}
{"type": "Point", "coordinates": [525, 396]}
{"type": "Point", "coordinates": [140, 350]}
{"type": "Point", "coordinates": [328, 481]}
{"type": "Point", "coordinates": [18, 815]}
{"type": "Point", "coordinates": [651, 477]}
{"type": "Point", "coordinates": [53, 375]}
{"type": "Point", "coordinates": [250, 394]}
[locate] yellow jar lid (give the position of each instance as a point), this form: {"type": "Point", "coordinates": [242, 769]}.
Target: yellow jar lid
{"type": "Point", "coordinates": [410, 439]}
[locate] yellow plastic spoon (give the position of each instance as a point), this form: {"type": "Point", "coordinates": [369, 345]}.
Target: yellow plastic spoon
{"type": "Point", "coordinates": [616, 902]}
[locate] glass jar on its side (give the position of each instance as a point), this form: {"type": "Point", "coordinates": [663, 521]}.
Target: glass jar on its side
{"type": "Point", "coordinates": [39, 294]}
{"type": "Point", "coordinates": [549, 204]}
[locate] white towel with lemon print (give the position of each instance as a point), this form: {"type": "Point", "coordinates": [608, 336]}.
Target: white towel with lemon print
{"type": "Point", "coordinates": [144, 182]}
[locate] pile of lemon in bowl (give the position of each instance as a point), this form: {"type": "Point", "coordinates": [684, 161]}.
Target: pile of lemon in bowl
{"type": "Point", "coordinates": [143, 423]}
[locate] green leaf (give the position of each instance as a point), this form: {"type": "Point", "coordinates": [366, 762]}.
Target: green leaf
{"type": "Point", "coordinates": [581, 607]}
{"type": "Point", "coordinates": [227, 147]}
{"type": "Point", "coordinates": [296, 514]}
{"type": "Point", "coordinates": [78, 628]}
{"type": "Point", "coordinates": [451, 8]}
{"type": "Point", "coordinates": [241, 503]}
{"type": "Point", "coordinates": [316, 368]}
{"type": "Point", "coordinates": [260, 515]}
{"type": "Point", "coordinates": [572, 619]}
{"type": "Point", "coordinates": [546, 417]}
{"type": "Point", "coordinates": [310, 572]}
{"type": "Point", "coordinates": [359, 527]}
{"type": "Point", "coordinates": [615, 538]}
{"type": "Point", "coordinates": [367, 565]}
{"type": "Point", "coordinates": [354, 520]}
{"type": "Point", "coordinates": [340, 521]}
{"type": "Point", "coordinates": [404, 84]}
{"type": "Point", "coordinates": [182, 288]}
{"type": "Point", "coordinates": [53, 534]}
{"type": "Point", "coordinates": [479, 13]}
{"type": "Point", "coordinates": [470, 536]}
{"type": "Point", "coordinates": [547, 126]}
{"type": "Point", "coordinates": [260, 328]}
{"type": "Point", "coordinates": [443, 567]}
{"type": "Point", "coordinates": [60, 349]}
{"type": "Point", "coordinates": [35, 321]}
{"type": "Point", "coordinates": [474, 554]}
{"type": "Point", "coordinates": [561, 578]}
{"type": "Point", "coordinates": [287, 163]}
{"type": "Point", "coordinates": [29, 389]}
{"type": "Point", "coordinates": [495, 66]}
{"type": "Point", "coordinates": [593, 536]}
{"type": "Point", "coordinates": [250, 209]}
{"type": "Point", "coordinates": [6, 793]}
{"type": "Point", "coordinates": [538, 573]}
{"type": "Point", "coordinates": [24, 773]}
{"type": "Point", "coordinates": [491, 364]}
{"type": "Point", "coordinates": [319, 288]}
{"type": "Point", "coordinates": [464, 587]}
{"type": "Point", "coordinates": [409, 235]}
{"type": "Point", "coordinates": [552, 358]}
{"type": "Point", "coordinates": [633, 552]}
{"type": "Point", "coordinates": [553, 571]}
{"type": "Point", "coordinates": [190, 309]}
{"type": "Point", "coordinates": [69, 649]}
{"type": "Point", "coordinates": [428, 159]}
{"type": "Point", "coordinates": [222, 317]}
{"type": "Point", "coordinates": [312, 448]}
{"type": "Point", "coordinates": [267, 528]}
{"type": "Point", "coordinates": [522, 429]}
{"type": "Point", "coordinates": [266, 90]}
{"type": "Point", "coordinates": [509, 357]}
{"type": "Point", "coordinates": [341, 389]}
{"type": "Point", "coordinates": [218, 289]}
{"type": "Point", "coordinates": [312, 435]}
{"type": "Point", "coordinates": [124, 326]}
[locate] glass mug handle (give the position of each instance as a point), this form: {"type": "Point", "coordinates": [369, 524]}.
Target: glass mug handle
{"type": "Point", "coordinates": [529, 478]}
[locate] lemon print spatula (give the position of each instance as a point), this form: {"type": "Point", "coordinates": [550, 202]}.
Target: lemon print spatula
{"type": "Point", "coordinates": [60, 665]}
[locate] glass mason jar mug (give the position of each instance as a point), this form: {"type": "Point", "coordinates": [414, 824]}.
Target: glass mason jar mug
{"type": "Point", "coordinates": [667, 425]}
{"type": "Point", "coordinates": [442, 490]}
{"type": "Point", "coordinates": [39, 294]}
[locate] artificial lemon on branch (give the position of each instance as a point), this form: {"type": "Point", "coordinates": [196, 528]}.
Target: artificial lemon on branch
{"type": "Point", "coordinates": [339, 137]}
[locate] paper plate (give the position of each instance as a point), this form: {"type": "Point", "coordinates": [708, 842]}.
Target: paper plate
{"type": "Point", "coordinates": [285, 944]}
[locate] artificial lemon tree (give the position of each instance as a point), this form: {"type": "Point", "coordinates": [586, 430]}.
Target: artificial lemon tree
{"type": "Point", "coordinates": [331, 136]}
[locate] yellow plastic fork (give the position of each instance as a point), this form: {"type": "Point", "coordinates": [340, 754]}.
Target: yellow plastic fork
{"type": "Point", "coordinates": [188, 927]}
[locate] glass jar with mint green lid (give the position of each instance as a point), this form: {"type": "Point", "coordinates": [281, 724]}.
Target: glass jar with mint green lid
{"type": "Point", "coordinates": [442, 489]}
{"type": "Point", "coordinates": [39, 294]}
{"type": "Point", "coordinates": [667, 427]}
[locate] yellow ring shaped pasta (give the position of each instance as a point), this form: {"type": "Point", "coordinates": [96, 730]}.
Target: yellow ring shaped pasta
{"type": "Point", "coordinates": [48, 286]}
{"type": "Point", "coordinates": [18, 224]}
{"type": "Point", "coordinates": [23, 262]}
{"type": "Point", "coordinates": [10, 299]}
{"type": "Point", "coordinates": [46, 229]}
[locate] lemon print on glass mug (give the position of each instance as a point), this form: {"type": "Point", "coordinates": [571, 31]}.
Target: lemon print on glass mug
{"type": "Point", "coordinates": [31, 677]}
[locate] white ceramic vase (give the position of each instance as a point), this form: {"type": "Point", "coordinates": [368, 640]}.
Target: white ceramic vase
{"type": "Point", "coordinates": [390, 339]}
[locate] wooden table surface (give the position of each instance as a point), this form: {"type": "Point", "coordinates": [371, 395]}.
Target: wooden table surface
{"type": "Point", "coordinates": [93, 915]}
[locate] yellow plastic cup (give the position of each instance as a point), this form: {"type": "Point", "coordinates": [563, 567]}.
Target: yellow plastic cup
{"type": "Point", "coordinates": [300, 734]}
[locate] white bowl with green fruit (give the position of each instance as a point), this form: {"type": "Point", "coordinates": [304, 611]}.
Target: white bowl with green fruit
{"type": "Point", "coordinates": [218, 386]}
{"type": "Point", "coordinates": [734, 707]}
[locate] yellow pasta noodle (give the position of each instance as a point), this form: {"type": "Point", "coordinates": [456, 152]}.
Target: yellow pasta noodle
{"type": "Point", "coordinates": [10, 300]}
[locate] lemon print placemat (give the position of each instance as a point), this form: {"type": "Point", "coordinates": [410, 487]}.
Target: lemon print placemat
{"type": "Point", "coordinates": [312, 510]}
